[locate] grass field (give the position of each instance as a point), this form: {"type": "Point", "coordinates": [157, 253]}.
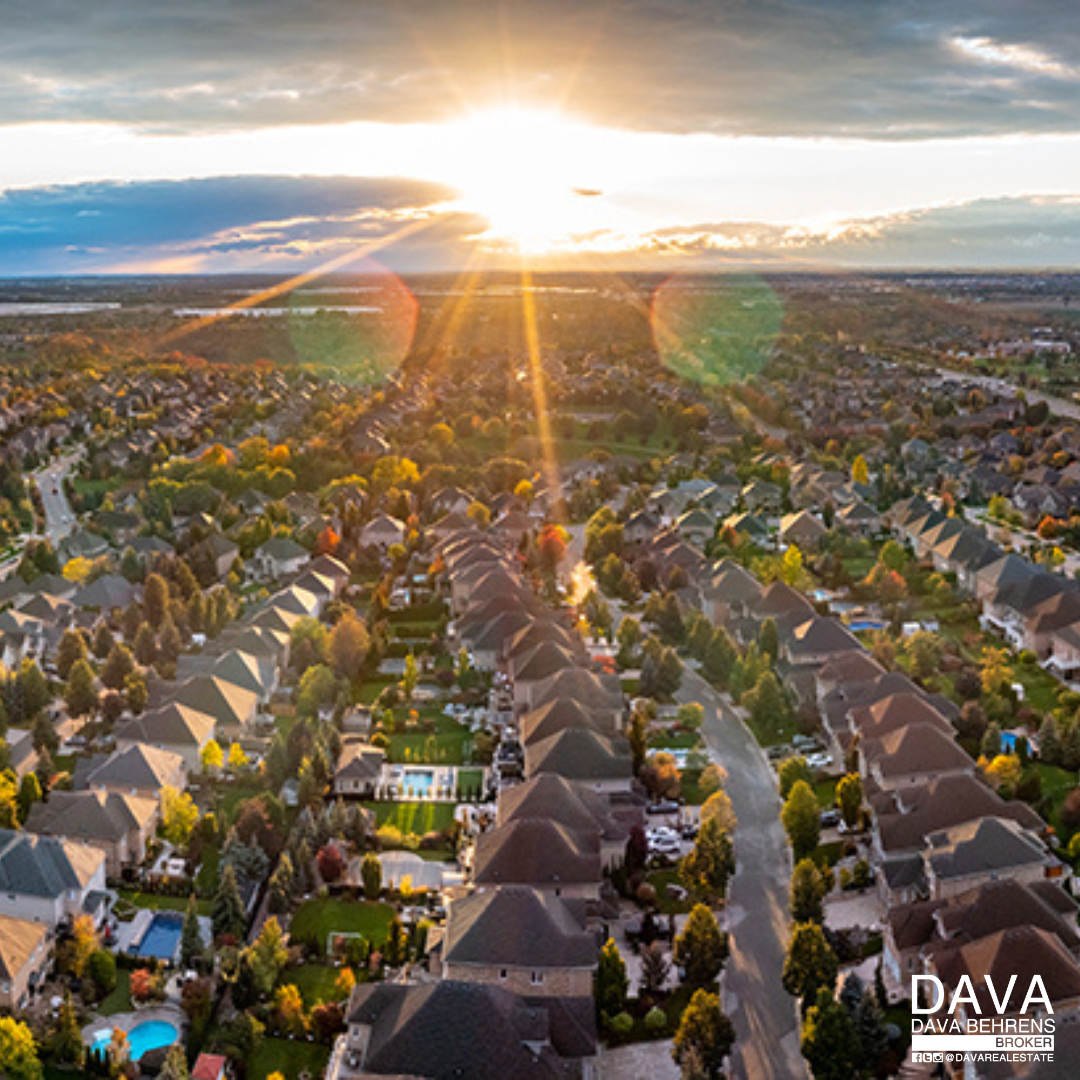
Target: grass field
{"type": "Point", "coordinates": [120, 999]}
{"type": "Point", "coordinates": [287, 1057]}
{"type": "Point", "coordinates": [414, 817]}
{"type": "Point", "coordinates": [162, 903]}
{"type": "Point", "coordinates": [449, 748]}
{"type": "Point", "coordinates": [321, 917]}
{"type": "Point", "coordinates": [1056, 784]}
{"type": "Point", "coordinates": [317, 983]}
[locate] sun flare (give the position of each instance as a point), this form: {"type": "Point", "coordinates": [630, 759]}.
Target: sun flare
{"type": "Point", "coordinates": [529, 174]}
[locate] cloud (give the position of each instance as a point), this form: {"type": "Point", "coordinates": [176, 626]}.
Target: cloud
{"type": "Point", "coordinates": [1030, 232]}
{"type": "Point", "coordinates": [216, 223]}
{"type": "Point", "coordinates": [288, 224]}
{"type": "Point", "coordinates": [837, 67]}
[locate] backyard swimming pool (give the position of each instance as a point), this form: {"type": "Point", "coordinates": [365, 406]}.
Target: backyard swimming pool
{"type": "Point", "coordinates": [419, 781]}
{"type": "Point", "coordinates": [149, 1035]}
{"type": "Point", "coordinates": [162, 937]}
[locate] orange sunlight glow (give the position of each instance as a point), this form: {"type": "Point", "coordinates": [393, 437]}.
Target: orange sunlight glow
{"type": "Point", "coordinates": [524, 172]}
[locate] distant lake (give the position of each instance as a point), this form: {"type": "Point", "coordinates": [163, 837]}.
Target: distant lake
{"type": "Point", "coordinates": [46, 307]}
{"type": "Point", "coordinates": [269, 312]}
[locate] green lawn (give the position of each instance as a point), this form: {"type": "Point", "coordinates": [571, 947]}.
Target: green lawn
{"type": "Point", "coordinates": [446, 749]}
{"type": "Point", "coordinates": [659, 880]}
{"type": "Point", "coordinates": [469, 780]}
{"type": "Point", "coordinates": [372, 688]}
{"type": "Point", "coordinates": [162, 903]}
{"type": "Point", "coordinates": [229, 799]}
{"type": "Point", "coordinates": [684, 740]}
{"type": "Point", "coordinates": [1056, 784]}
{"type": "Point", "coordinates": [120, 999]}
{"type": "Point", "coordinates": [826, 793]}
{"type": "Point", "coordinates": [321, 917]}
{"type": "Point", "coordinates": [414, 817]}
{"type": "Point", "coordinates": [287, 1057]}
{"type": "Point", "coordinates": [317, 983]}
{"type": "Point", "coordinates": [207, 876]}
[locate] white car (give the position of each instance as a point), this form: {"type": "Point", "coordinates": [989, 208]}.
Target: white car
{"type": "Point", "coordinates": [819, 761]}
{"type": "Point", "coordinates": [665, 847]}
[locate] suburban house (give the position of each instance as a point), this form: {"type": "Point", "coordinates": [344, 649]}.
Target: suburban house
{"type": "Point", "coordinates": [382, 532]}
{"type": "Point", "coordinates": [175, 728]}
{"type": "Point", "coordinates": [118, 825]}
{"type": "Point", "coordinates": [359, 769]}
{"type": "Point", "coordinates": [443, 1029]}
{"type": "Point", "coordinates": [543, 854]}
{"type": "Point", "coordinates": [25, 955]}
{"type": "Point", "coordinates": [50, 881]}
{"type": "Point", "coordinates": [138, 770]}
{"type": "Point", "coordinates": [278, 557]}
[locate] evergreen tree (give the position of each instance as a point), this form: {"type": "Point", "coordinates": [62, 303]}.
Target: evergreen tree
{"type": "Point", "coordinates": [810, 964]}
{"type": "Point", "coordinates": [807, 892]}
{"type": "Point", "coordinates": [227, 916]}
{"type": "Point", "coordinates": [801, 818]}
{"type": "Point", "coordinates": [611, 986]}
{"type": "Point", "coordinates": [191, 942]}
{"type": "Point", "coordinates": [830, 1043]}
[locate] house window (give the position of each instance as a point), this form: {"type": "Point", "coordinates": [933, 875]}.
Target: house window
{"type": "Point", "coordinates": [502, 973]}
{"type": "Point", "coordinates": [536, 978]}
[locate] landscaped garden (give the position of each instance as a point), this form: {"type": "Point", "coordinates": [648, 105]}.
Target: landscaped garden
{"type": "Point", "coordinates": [318, 918]}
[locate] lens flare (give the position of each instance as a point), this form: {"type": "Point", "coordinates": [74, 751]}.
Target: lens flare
{"type": "Point", "coordinates": [715, 331]}
{"type": "Point", "coordinates": [361, 329]}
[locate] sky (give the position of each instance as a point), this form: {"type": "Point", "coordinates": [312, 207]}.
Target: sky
{"type": "Point", "coordinates": [236, 135]}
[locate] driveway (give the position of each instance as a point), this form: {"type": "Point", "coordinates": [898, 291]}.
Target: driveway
{"type": "Point", "coordinates": [766, 1026]}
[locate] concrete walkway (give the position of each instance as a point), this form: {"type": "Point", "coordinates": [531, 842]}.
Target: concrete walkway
{"type": "Point", "coordinates": [766, 1026]}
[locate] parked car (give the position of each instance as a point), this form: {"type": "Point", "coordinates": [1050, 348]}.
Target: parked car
{"type": "Point", "coordinates": [777, 753]}
{"type": "Point", "coordinates": [831, 818]}
{"type": "Point", "coordinates": [664, 806]}
{"type": "Point", "coordinates": [819, 761]}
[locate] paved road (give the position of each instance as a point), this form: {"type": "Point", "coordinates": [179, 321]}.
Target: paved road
{"type": "Point", "coordinates": [1058, 405]}
{"type": "Point", "coordinates": [59, 517]}
{"type": "Point", "coordinates": [764, 1016]}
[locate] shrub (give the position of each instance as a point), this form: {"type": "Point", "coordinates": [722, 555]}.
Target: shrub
{"type": "Point", "coordinates": [621, 1025]}
{"type": "Point", "coordinates": [656, 1021]}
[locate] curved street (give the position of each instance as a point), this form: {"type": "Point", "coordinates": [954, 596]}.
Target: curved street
{"type": "Point", "coordinates": [765, 1018]}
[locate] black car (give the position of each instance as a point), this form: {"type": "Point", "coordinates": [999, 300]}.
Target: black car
{"type": "Point", "coordinates": [831, 818]}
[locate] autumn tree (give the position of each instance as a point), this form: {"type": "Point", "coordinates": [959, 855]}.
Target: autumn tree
{"type": "Point", "coordinates": [348, 646]}
{"type": "Point", "coordinates": [810, 964]}
{"type": "Point", "coordinates": [80, 693]}
{"type": "Point", "coordinates": [701, 949]}
{"type": "Point", "coordinates": [849, 796]}
{"type": "Point", "coordinates": [801, 819]}
{"type": "Point", "coordinates": [808, 889]}
{"type": "Point", "coordinates": [704, 1038]}
{"type": "Point", "coordinates": [178, 816]}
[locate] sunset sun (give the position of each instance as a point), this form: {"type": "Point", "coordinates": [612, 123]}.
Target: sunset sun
{"type": "Point", "coordinates": [530, 174]}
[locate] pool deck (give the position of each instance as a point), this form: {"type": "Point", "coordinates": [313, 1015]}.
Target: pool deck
{"type": "Point", "coordinates": [171, 1014]}
{"type": "Point", "coordinates": [131, 933]}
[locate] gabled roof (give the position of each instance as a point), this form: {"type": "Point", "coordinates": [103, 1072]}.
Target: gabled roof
{"type": "Point", "coordinates": [226, 702]}
{"type": "Point", "coordinates": [91, 815]}
{"type": "Point", "coordinates": [897, 711]}
{"type": "Point", "coordinates": [944, 802]}
{"type": "Point", "coordinates": [915, 749]}
{"type": "Point", "coordinates": [988, 845]}
{"type": "Point", "coordinates": [531, 851]}
{"type": "Point", "coordinates": [580, 754]}
{"type": "Point", "coordinates": [281, 549]}
{"type": "Point", "coordinates": [558, 715]}
{"type": "Point", "coordinates": [585, 686]}
{"type": "Point", "coordinates": [174, 724]}
{"type": "Point", "coordinates": [1020, 953]}
{"type": "Point", "coordinates": [778, 599]}
{"type": "Point", "coordinates": [359, 761]}
{"type": "Point", "coordinates": [44, 866]}
{"type": "Point", "coordinates": [19, 940]}
{"type": "Point", "coordinates": [106, 592]}
{"type": "Point", "coordinates": [139, 767]}
{"type": "Point", "coordinates": [449, 1029]}
{"type": "Point", "coordinates": [550, 797]}
{"type": "Point", "coordinates": [540, 662]}
{"type": "Point", "coordinates": [517, 926]}
{"type": "Point", "coordinates": [821, 635]}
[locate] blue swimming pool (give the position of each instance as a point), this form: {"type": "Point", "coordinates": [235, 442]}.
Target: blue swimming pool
{"type": "Point", "coordinates": [162, 937]}
{"type": "Point", "coordinates": [149, 1035]}
{"type": "Point", "coordinates": [866, 624]}
{"type": "Point", "coordinates": [420, 781]}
